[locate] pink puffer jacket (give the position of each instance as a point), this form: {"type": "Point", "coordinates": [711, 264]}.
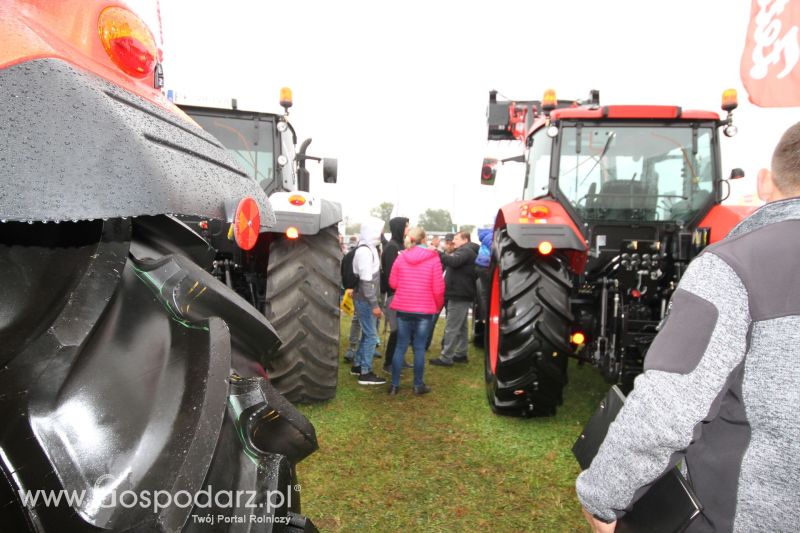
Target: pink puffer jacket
{"type": "Point", "coordinates": [417, 280]}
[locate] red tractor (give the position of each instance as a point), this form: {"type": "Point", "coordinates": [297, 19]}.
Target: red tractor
{"type": "Point", "coordinates": [617, 200]}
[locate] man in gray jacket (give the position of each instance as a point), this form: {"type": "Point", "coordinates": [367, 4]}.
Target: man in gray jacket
{"type": "Point", "coordinates": [721, 382]}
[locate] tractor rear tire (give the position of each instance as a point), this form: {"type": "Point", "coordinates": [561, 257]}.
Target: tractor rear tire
{"type": "Point", "coordinates": [527, 331]}
{"type": "Point", "coordinates": [303, 285]}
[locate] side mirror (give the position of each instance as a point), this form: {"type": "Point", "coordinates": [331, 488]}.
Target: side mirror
{"type": "Point", "coordinates": [736, 173]}
{"type": "Point", "coordinates": [330, 169]}
{"type": "Point", "coordinates": [488, 171]}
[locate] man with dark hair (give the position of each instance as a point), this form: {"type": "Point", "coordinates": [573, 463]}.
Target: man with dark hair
{"type": "Point", "coordinates": [720, 384]}
{"type": "Point", "coordinates": [459, 279]}
{"type": "Point", "coordinates": [398, 226]}
{"type": "Point", "coordinates": [449, 247]}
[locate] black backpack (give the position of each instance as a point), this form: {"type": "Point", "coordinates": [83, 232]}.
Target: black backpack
{"type": "Point", "coordinates": [350, 278]}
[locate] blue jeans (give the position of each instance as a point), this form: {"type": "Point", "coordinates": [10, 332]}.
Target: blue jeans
{"type": "Point", "coordinates": [369, 336]}
{"type": "Point", "coordinates": [410, 326]}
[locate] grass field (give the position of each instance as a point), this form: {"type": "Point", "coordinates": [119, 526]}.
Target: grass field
{"type": "Point", "coordinates": [444, 461]}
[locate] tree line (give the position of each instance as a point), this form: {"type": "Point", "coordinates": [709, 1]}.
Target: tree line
{"type": "Point", "coordinates": [431, 219]}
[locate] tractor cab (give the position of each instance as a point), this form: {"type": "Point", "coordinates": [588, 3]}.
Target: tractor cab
{"type": "Point", "coordinates": [263, 144]}
{"type": "Point", "coordinates": [618, 172]}
{"type": "Point", "coordinates": [622, 180]}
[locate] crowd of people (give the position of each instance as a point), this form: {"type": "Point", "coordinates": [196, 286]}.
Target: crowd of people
{"type": "Point", "coordinates": [407, 281]}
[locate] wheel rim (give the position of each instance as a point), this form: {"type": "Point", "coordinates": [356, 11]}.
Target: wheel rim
{"type": "Point", "coordinates": [494, 320]}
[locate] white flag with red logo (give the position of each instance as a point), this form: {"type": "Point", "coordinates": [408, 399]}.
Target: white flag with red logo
{"type": "Point", "coordinates": [770, 67]}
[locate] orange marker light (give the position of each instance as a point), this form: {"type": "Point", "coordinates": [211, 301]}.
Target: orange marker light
{"type": "Point", "coordinates": [296, 199]}
{"type": "Point", "coordinates": [549, 100]}
{"type": "Point", "coordinates": [730, 100]}
{"type": "Point", "coordinates": [292, 233]}
{"type": "Point", "coordinates": [578, 338]}
{"type": "Point", "coordinates": [286, 97]}
{"type": "Point", "coordinates": [127, 41]}
{"type": "Point", "coordinates": [545, 247]}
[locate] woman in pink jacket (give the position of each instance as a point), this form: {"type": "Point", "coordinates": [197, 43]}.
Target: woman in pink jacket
{"type": "Point", "coordinates": [419, 295]}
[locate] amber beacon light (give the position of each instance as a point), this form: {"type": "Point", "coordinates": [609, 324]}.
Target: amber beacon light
{"type": "Point", "coordinates": [286, 97]}
{"type": "Point", "coordinates": [549, 100]}
{"type": "Point", "coordinates": [730, 100]}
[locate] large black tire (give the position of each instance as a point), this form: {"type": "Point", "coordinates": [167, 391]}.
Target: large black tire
{"type": "Point", "coordinates": [303, 284]}
{"type": "Point", "coordinates": [138, 348]}
{"type": "Point", "coordinates": [527, 333]}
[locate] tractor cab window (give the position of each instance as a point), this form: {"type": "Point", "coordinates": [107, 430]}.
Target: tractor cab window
{"type": "Point", "coordinates": [636, 172]}
{"type": "Point", "coordinates": [249, 140]}
{"type": "Point", "coordinates": [537, 170]}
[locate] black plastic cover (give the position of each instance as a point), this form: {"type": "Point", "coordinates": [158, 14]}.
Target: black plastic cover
{"type": "Point", "coordinates": [560, 236]}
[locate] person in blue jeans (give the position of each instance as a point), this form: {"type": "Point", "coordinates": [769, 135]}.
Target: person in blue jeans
{"type": "Point", "coordinates": [412, 327]}
{"type": "Point", "coordinates": [366, 263]}
{"type": "Point", "coordinates": [417, 280]}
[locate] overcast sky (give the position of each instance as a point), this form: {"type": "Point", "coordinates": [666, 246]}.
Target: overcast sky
{"type": "Point", "coordinates": [398, 91]}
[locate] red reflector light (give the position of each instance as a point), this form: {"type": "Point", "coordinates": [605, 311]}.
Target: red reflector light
{"type": "Point", "coordinates": [297, 199]}
{"type": "Point", "coordinates": [127, 41]}
{"type": "Point", "coordinates": [635, 293]}
{"type": "Point", "coordinates": [578, 338]}
{"type": "Point", "coordinates": [539, 211]}
{"type": "Point", "coordinates": [246, 223]}
{"type": "Point", "coordinates": [545, 247]}
{"type": "Point", "coordinates": [292, 233]}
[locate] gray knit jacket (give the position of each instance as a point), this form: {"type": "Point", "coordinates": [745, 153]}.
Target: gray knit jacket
{"type": "Point", "coordinates": [720, 388]}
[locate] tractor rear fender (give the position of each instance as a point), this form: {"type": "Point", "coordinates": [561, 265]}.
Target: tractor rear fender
{"type": "Point", "coordinates": [80, 148]}
{"type": "Point", "coordinates": [531, 222]}
{"type": "Point", "coordinates": [723, 218]}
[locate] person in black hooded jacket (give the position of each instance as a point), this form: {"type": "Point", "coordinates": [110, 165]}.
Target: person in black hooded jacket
{"type": "Point", "coordinates": [398, 227]}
